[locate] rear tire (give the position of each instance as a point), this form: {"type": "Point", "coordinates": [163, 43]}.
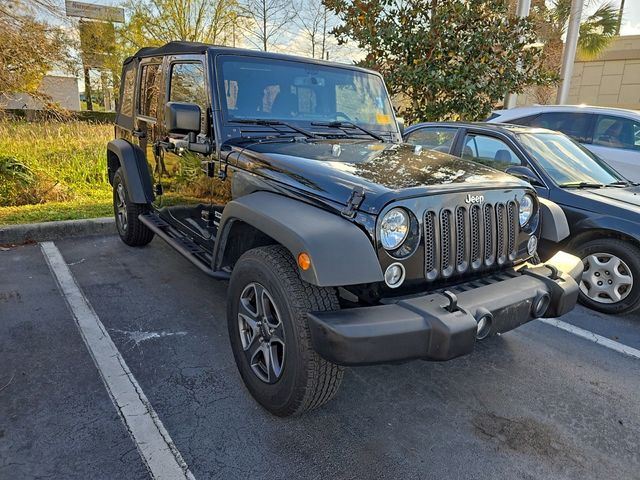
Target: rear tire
{"type": "Point", "coordinates": [301, 380]}
{"type": "Point", "coordinates": [610, 260]}
{"type": "Point", "coordinates": [131, 230]}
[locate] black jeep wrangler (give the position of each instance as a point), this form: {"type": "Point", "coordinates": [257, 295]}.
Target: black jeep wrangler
{"type": "Point", "coordinates": [342, 245]}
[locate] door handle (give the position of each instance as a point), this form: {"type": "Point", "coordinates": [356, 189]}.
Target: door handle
{"type": "Point", "coordinates": [139, 133]}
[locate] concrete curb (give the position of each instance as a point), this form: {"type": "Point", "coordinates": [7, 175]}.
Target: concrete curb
{"type": "Point", "coordinates": [47, 231]}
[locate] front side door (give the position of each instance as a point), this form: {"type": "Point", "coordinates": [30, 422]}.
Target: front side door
{"type": "Point", "coordinates": [494, 152]}
{"type": "Point", "coordinates": [189, 182]}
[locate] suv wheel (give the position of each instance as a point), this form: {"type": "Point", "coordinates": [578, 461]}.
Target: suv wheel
{"type": "Point", "coordinates": [131, 230]}
{"type": "Point", "coordinates": [266, 315]}
{"type": "Point", "coordinates": [611, 279]}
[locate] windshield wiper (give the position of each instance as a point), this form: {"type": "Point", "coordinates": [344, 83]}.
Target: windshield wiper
{"type": "Point", "coordinates": [581, 185]}
{"type": "Point", "coordinates": [273, 124]}
{"type": "Point", "coordinates": [620, 183]}
{"type": "Point", "coordinates": [344, 125]}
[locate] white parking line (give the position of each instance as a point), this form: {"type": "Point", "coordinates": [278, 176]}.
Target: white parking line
{"type": "Point", "coordinates": [156, 448]}
{"type": "Point", "coordinates": [593, 337]}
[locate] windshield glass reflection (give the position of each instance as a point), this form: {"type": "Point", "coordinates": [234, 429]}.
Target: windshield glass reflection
{"type": "Point", "coordinates": [565, 161]}
{"type": "Point", "coordinates": [270, 89]}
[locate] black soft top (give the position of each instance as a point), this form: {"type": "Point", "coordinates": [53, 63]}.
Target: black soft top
{"type": "Point", "coordinates": [171, 48]}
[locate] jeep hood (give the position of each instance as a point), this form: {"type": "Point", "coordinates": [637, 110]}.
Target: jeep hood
{"type": "Point", "coordinates": [386, 171]}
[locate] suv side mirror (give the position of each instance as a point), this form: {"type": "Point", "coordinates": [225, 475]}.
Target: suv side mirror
{"type": "Point", "coordinates": [524, 173]}
{"type": "Point", "coordinates": [182, 118]}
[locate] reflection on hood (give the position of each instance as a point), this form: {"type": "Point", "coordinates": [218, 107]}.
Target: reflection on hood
{"type": "Point", "coordinates": [380, 168]}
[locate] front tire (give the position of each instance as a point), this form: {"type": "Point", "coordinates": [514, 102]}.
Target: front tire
{"type": "Point", "coordinates": [266, 315]}
{"type": "Point", "coordinates": [611, 279]}
{"type": "Point", "coordinates": [131, 230]}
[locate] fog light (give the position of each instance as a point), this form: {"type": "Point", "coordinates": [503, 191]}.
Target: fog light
{"type": "Point", "coordinates": [484, 326]}
{"type": "Point", "coordinates": [394, 275]}
{"type": "Point", "coordinates": [532, 244]}
{"type": "Point", "coordinates": [540, 305]}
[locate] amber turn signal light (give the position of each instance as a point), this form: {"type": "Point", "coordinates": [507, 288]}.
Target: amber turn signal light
{"type": "Point", "coordinates": [304, 261]}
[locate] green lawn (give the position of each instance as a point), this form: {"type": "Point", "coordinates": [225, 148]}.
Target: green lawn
{"type": "Point", "coordinates": [53, 171]}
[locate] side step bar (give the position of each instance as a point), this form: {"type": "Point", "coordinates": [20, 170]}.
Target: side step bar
{"type": "Point", "coordinates": [184, 245]}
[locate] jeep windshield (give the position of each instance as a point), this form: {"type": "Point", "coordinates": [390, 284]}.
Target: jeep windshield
{"type": "Point", "coordinates": [327, 100]}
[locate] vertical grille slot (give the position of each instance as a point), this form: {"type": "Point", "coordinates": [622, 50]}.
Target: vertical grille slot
{"type": "Point", "coordinates": [501, 224]}
{"type": "Point", "coordinates": [447, 239]}
{"type": "Point", "coordinates": [474, 236]}
{"type": "Point", "coordinates": [489, 235]}
{"type": "Point", "coordinates": [430, 245]}
{"type": "Point", "coordinates": [461, 239]}
{"type": "Point", "coordinates": [513, 226]}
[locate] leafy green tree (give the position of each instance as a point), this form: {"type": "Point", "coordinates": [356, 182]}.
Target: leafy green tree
{"type": "Point", "coordinates": [451, 59]}
{"type": "Point", "coordinates": [29, 48]}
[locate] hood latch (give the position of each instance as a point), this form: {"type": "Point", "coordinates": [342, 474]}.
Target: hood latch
{"type": "Point", "coordinates": [355, 200]}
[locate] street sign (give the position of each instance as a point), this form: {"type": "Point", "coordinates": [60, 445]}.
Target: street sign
{"type": "Point", "coordinates": [96, 12]}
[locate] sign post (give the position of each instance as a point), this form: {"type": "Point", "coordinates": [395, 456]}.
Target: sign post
{"type": "Point", "coordinates": [97, 41]}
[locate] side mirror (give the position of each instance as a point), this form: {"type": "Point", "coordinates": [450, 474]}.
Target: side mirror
{"type": "Point", "coordinates": [524, 173]}
{"type": "Point", "coordinates": [400, 121]}
{"type": "Point", "coordinates": [182, 118]}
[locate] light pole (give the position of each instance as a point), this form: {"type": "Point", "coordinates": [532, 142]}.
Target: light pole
{"type": "Point", "coordinates": [569, 52]}
{"type": "Point", "coordinates": [521, 12]}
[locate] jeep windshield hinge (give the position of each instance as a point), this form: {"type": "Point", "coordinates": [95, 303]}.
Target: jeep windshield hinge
{"type": "Point", "coordinates": [355, 200]}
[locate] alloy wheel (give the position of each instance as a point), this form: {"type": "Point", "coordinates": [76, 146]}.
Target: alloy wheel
{"type": "Point", "coordinates": [261, 332]}
{"type": "Point", "coordinates": [121, 207]}
{"type": "Point", "coordinates": [606, 278]}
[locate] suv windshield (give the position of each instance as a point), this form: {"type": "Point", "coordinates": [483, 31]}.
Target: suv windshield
{"type": "Point", "coordinates": [273, 89]}
{"type": "Point", "coordinates": [567, 162]}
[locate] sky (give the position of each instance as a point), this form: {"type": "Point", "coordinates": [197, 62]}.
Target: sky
{"type": "Point", "coordinates": [295, 43]}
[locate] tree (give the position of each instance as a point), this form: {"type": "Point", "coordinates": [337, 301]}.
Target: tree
{"type": "Point", "coordinates": [268, 19]}
{"type": "Point", "coordinates": [29, 48]}
{"type": "Point", "coordinates": [451, 59]}
{"type": "Point", "coordinates": [156, 22]}
{"type": "Point", "coordinates": [315, 22]}
{"type": "Point", "coordinates": [551, 20]}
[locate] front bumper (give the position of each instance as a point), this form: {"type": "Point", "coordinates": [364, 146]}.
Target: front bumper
{"type": "Point", "coordinates": [441, 326]}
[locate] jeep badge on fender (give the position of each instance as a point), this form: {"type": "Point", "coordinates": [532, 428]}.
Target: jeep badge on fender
{"type": "Point", "coordinates": [342, 245]}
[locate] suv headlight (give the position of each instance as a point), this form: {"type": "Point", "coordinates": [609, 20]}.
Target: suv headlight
{"type": "Point", "coordinates": [526, 209]}
{"type": "Point", "coordinates": [394, 228]}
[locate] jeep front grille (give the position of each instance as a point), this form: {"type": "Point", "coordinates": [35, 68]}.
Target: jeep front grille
{"type": "Point", "coordinates": [469, 238]}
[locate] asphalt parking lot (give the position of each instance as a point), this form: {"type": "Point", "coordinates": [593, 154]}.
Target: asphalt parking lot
{"type": "Point", "coordinates": [539, 402]}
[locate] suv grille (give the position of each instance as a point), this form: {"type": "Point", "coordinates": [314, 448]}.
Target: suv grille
{"type": "Point", "coordinates": [469, 238]}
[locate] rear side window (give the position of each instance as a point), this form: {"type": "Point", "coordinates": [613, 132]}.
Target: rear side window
{"type": "Point", "coordinates": [128, 82]}
{"type": "Point", "coordinates": [576, 125]}
{"type": "Point", "coordinates": [434, 138]}
{"type": "Point", "coordinates": [149, 90]}
{"type": "Point", "coordinates": [617, 132]}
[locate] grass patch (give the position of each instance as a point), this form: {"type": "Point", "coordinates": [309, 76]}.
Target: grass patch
{"type": "Point", "coordinates": [65, 161]}
{"type": "Point", "coordinates": [52, 211]}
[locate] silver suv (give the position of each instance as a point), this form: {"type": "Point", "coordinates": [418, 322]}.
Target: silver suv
{"type": "Point", "coordinates": [611, 133]}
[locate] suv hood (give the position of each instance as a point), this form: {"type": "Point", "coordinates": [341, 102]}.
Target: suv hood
{"type": "Point", "coordinates": [602, 199]}
{"type": "Point", "coordinates": [387, 171]}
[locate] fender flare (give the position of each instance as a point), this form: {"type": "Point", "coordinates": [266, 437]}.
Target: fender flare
{"type": "Point", "coordinates": [341, 253]}
{"type": "Point", "coordinates": [135, 169]}
{"type": "Point", "coordinates": [555, 226]}
{"type": "Point", "coordinates": [613, 225]}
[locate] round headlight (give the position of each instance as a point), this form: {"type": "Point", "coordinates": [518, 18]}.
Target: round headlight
{"type": "Point", "coordinates": [394, 228]}
{"type": "Point", "coordinates": [526, 209]}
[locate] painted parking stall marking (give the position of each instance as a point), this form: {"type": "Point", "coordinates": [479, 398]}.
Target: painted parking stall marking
{"type": "Point", "coordinates": [593, 337]}
{"type": "Point", "coordinates": [154, 444]}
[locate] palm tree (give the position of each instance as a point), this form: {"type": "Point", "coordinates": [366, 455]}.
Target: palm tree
{"type": "Point", "coordinates": [597, 31]}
